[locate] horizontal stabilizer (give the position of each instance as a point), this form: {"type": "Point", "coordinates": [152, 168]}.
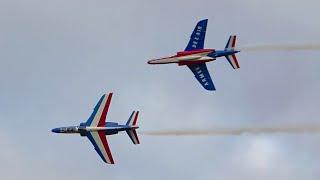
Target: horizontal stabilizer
{"type": "Point", "coordinates": [233, 61]}
{"type": "Point", "coordinates": [132, 133]}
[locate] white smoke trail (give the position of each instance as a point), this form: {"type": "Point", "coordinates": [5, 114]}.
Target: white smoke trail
{"type": "Point", "coordinates": [282, 47]}
{"type": "Point", "coordinates": [312, 129]}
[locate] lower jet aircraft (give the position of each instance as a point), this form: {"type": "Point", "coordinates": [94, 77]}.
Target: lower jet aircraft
{"type": "Point", "coordinates": [195, 56]}
{"type": "Point", "coordinates": [96, 128]}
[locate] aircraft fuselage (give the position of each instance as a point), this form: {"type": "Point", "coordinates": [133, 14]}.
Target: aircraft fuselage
{"type": "Point", "coordinates": [110, 128]}
{"type": "Point", "coordinates": [193, 57]}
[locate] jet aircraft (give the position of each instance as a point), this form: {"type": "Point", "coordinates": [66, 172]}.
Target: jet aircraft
{"type": "Point", "coordinates": [195, 56]}
{"type": "Point", "coordinates": [96, 128]}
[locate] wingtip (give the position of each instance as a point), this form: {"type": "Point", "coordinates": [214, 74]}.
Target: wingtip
{"type": "Point", "coordinates": [210, 88]}
{"type": "Point", "coordinates": [109, 162]}
{"type": "Point", "coordinates": [108, 94]}
{"type": "Point", "coordinates": [203, 21]}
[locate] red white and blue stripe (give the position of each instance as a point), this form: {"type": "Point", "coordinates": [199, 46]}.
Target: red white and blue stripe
{"type": "Point", "coordinates": [98, 119]}
{"type": "Point", "coordinates": [132, 124]}
{"type": "Point", "coordinates": [232, 58]}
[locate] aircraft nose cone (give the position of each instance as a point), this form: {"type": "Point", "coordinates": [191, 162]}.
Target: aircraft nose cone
{"type": "Point", "coordinates": [55, 130]}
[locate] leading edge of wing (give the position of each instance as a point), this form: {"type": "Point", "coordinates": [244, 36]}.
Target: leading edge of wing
{"type": "Point", "coordinates": [100, 143]}
{"type": "Point", "coordinates": [201, 73]}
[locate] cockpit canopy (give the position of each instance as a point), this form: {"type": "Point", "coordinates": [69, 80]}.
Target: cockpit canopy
{"type": "Point", "coordinates": [69, 129]}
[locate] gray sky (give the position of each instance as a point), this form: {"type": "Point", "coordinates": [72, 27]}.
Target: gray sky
{"type": "Point", "coordinates": [58, 57]}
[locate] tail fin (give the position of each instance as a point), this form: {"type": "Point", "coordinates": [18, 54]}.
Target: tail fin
{"type": "Point", "coordinates": [132, 121]}
{"type": "Point", "coordinates": [230, 47]}
{"type": "Point", "coordinates": [231, 43]}
{"type": "Point", "coordinates": [132, 132]}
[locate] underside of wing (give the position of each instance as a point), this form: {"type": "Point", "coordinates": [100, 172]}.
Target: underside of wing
{"type": "Point", "coordinates": [100, 143]}
{"type": "Point", "coordinates": [98, 117]}
{"type": "Point", "coordinates": [198, 35]}
{"type": "Point", "coordinates": [201, 73]}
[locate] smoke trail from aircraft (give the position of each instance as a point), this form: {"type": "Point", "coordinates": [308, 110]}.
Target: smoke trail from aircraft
{"type": "Point", "coordinates": [282, 47]}
{"type": "Point", "coordinates": [236, 131]}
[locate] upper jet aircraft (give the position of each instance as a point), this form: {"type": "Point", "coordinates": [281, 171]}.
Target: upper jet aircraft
{"type": "Point", "coordinates": [96, 128]}
{"type": "Point", "coordinates": [195, 56]}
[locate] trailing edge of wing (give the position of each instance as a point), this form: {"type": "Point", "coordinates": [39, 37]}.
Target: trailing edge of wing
{"type": "Point", "coordinates": [100, 143]}
{"type": "Point", "coordinates": [98, 117]}
{"type": "Point", "coordinates": [201, 73]}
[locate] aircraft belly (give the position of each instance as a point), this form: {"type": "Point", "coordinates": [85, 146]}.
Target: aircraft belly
{"type": "Point", "coordinates": [188, 58]}
{"type": "Point", "coordinates": [111, 131]}
{"type": "Point", "coordinates": [164, 60]}
{"type": "Point", "coordinates": [115, 130]}
{"type": "Point", "coordinates": [201, 58]}
{"type": "Point", "coordinates": [205, 58]}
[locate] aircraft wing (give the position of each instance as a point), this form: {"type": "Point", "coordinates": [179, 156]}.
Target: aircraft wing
{"type": "Point", "coordinates": [98, 117]}
{"type": "Point", "coordinates": [198, 35]}
{"type": "Point", "coordinates": [100, 143]}
{"type": "Point", "coordinates": [201, 73]}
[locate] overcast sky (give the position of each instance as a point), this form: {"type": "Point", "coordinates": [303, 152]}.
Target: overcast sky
{"type": "Point", "coordinates": [58, 57]}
